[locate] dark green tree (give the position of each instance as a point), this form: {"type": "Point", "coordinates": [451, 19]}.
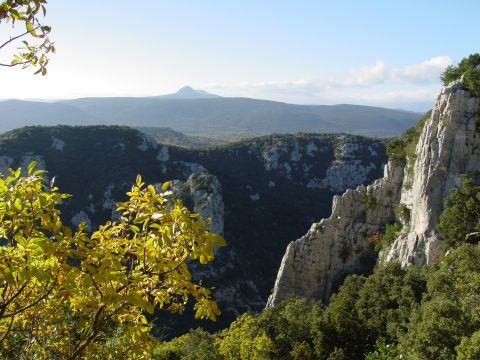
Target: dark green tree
{"type": "Point", "coordinates": [469, 68]}
{"type": "Point", "coordinates": [450, 310]}
{"type": "Point", "coordinates": [461, 214]}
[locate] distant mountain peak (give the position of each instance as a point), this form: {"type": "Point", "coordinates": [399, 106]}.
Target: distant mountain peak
{"type": "Point", "coordinates": [187, 92]}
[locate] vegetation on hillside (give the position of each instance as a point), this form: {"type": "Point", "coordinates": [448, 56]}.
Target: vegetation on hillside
{"type": "Point", "coordinates": [66, 294]}
{"type": "Point", "coordinates": [468, 71]}
{"type": "Point", "coordinates": [401, 150]}
{"type": "Point", "coordinates": [461, 214]}
{"type": "Point", "coordinates": [429, 313]}
{"type": "Point", "coordinates": [381, 241]}
{"type": "Point", "coordinates": [167, 136]}
{"type": "Point", "coordinates": [250, 225]}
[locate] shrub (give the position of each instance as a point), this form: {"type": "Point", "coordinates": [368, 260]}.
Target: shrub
{"type": "Point", "coordinates": [403, 148]}
{"type": "Point", "coordinates": [369, 201]}
{"type": "Point", "coordinates": [468, 67]}
{"type": "Point", "coordinates": [391, 232]}
{"type": "Point", "coordinates": [461, 214]}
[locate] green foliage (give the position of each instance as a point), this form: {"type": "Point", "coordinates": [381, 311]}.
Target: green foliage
{"type": "Point", "coordinates": [201, 181]}
{"type": "Point", "coordinates": [292, 327]}
{"type": "Point", "coordinates": [195, 345]}
{"type": "Point", "coordinates": [64, 292]}
{"type": "Point", "coordinates": [369, 201]}
{"type": "Point", "coordinates": [396, 150]}
{"type": "Point", "coordinates": [422, 313]}
{"type": "Point", "coordinates": [402, 149]}
{"type": "Point", "coordinates": [403, 213]}
{"type": "Point", "coordinates": [469, 348]}
{"type": "Point", "coordinates": [450, 310]}
{"type": "Point", "coordinates": [372, 309]}
{"type": "Point", "coordinates": [245, 340]}
{"type": "Point", "coordinates": [387, 239]}
{"type": "Point", "coordinates": [384, 352]}
{"type": "Point", "coordinates": [468, 68]}
{"type": "Point", "coordinates": [167, 136]}
{"type": "Point", "coordinates": [436, 329]}
{"type": "Point", "coordinates": [28, 14]}
{"type": "Point", "coordinates": [342, 322]}
{"type": "Point", "coordinates": [461, 214]}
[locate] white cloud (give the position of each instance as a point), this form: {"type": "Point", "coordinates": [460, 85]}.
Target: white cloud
{"type": "Point", "coordinates": [368, 75]}
{"type": "Point", "coordinates": [426, 71]}
{"type": "Point", "coordinates": [247, 88]}
{"type": "Point", "coordinates": [379, 97]}
{"type": "Point", "coordinates": [375, 84]}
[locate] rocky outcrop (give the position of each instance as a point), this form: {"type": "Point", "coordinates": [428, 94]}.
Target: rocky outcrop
{"type": "Point", "coordinates": [204, 193]}
{"type": "Point", "coordinates": [449, 146]}
{"type": "Point", "coordinates": [351, 161]}
{"type": "Point", "coordinates": [337, 246]}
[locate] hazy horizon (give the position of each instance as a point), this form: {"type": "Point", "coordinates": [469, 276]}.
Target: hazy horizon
{"type": "Point", "coordinates": [160, 95]}
{"type": "Point", "coordinates": [318, 53]}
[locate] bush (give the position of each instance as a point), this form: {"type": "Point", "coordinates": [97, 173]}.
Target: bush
{"type": "Point", "coordinates": [401, 149]}
{"type": "Point", "coordinates": [468, 67]}
{"type": "Point", "coordinates": [461, 214]}
{"type": "Point", "coordinates": [450, 310]}
{"type": "Point", "coordinates": [420, 312]}
{"type": "Point", "coordinates": [391, 232]}
{"type": "Point", "coordinates": [369, 201]}
{"type": "Point", "coordinates": [469, 348]}
{"type": "Point", "coordinates": [196, 345]}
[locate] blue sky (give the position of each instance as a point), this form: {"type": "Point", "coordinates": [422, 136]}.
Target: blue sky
{"type": "Point", "coordinates": [385, 53]}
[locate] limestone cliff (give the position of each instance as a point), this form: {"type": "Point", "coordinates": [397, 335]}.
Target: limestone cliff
{"type": "Point", "coordinates": [313, 265]}
{"type": "Point", "coordinates": [449, 146]}
{"type": "Point", "coordinates": [204, 192]}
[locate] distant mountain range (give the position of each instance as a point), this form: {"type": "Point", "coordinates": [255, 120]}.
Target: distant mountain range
{"type": "Point", "coordinates": [188, 92]}
{"type": "Point", "coordinates": [198, 112]}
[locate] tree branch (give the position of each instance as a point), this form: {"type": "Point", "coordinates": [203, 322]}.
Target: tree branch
{"type": "Point", "coordinates": [18, 37]}
{"type": "Point", "coordinates": [5, 304]}
{"type": "Point", "coordinates": [20, 63]}
{"type": "Point", "coordinates": [8, 330]}
{"type": "Point", "coordinates": [95, 329]}
{"type": "Point", "coordinates": [34, 303]}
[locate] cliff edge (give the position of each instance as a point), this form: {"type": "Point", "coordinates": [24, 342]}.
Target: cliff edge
{"type": "Point", "coordinates": [410, 193]}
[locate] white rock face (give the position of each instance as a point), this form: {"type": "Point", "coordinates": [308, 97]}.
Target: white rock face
{"type": "Point", "coordinates": [448, 147]}
{"type": "Point", "coordinates": [189, 168]}
{"type": "Point", "coordinates": [82, 217]}
{"type": "Point", "coordinates": [57, 144]}
{"type": "Point", "coordinates": [313, 265]}
{"type": "Point", "coordinates": [255, 197]}
{"type": "Point", "coordinates": [343, 174]}
{"type": "Point", "coordinates": [163, 155]}
{"type": "Point", "coordinates": [291, 152]}
{"type": "Point", "coordinates": [109, 203]}
{"type": "Point", "coordinates": [208, 201]}
{"type": "Point", "coordinates": [146, 142]}
{"type": "Point", "coordinates": [205, 191]}
{"type": "Point", "coordinates": [293, 160]}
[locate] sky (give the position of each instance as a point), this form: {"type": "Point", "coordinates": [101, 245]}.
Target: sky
{"type": "Point", "coordinates": [369, 52]}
